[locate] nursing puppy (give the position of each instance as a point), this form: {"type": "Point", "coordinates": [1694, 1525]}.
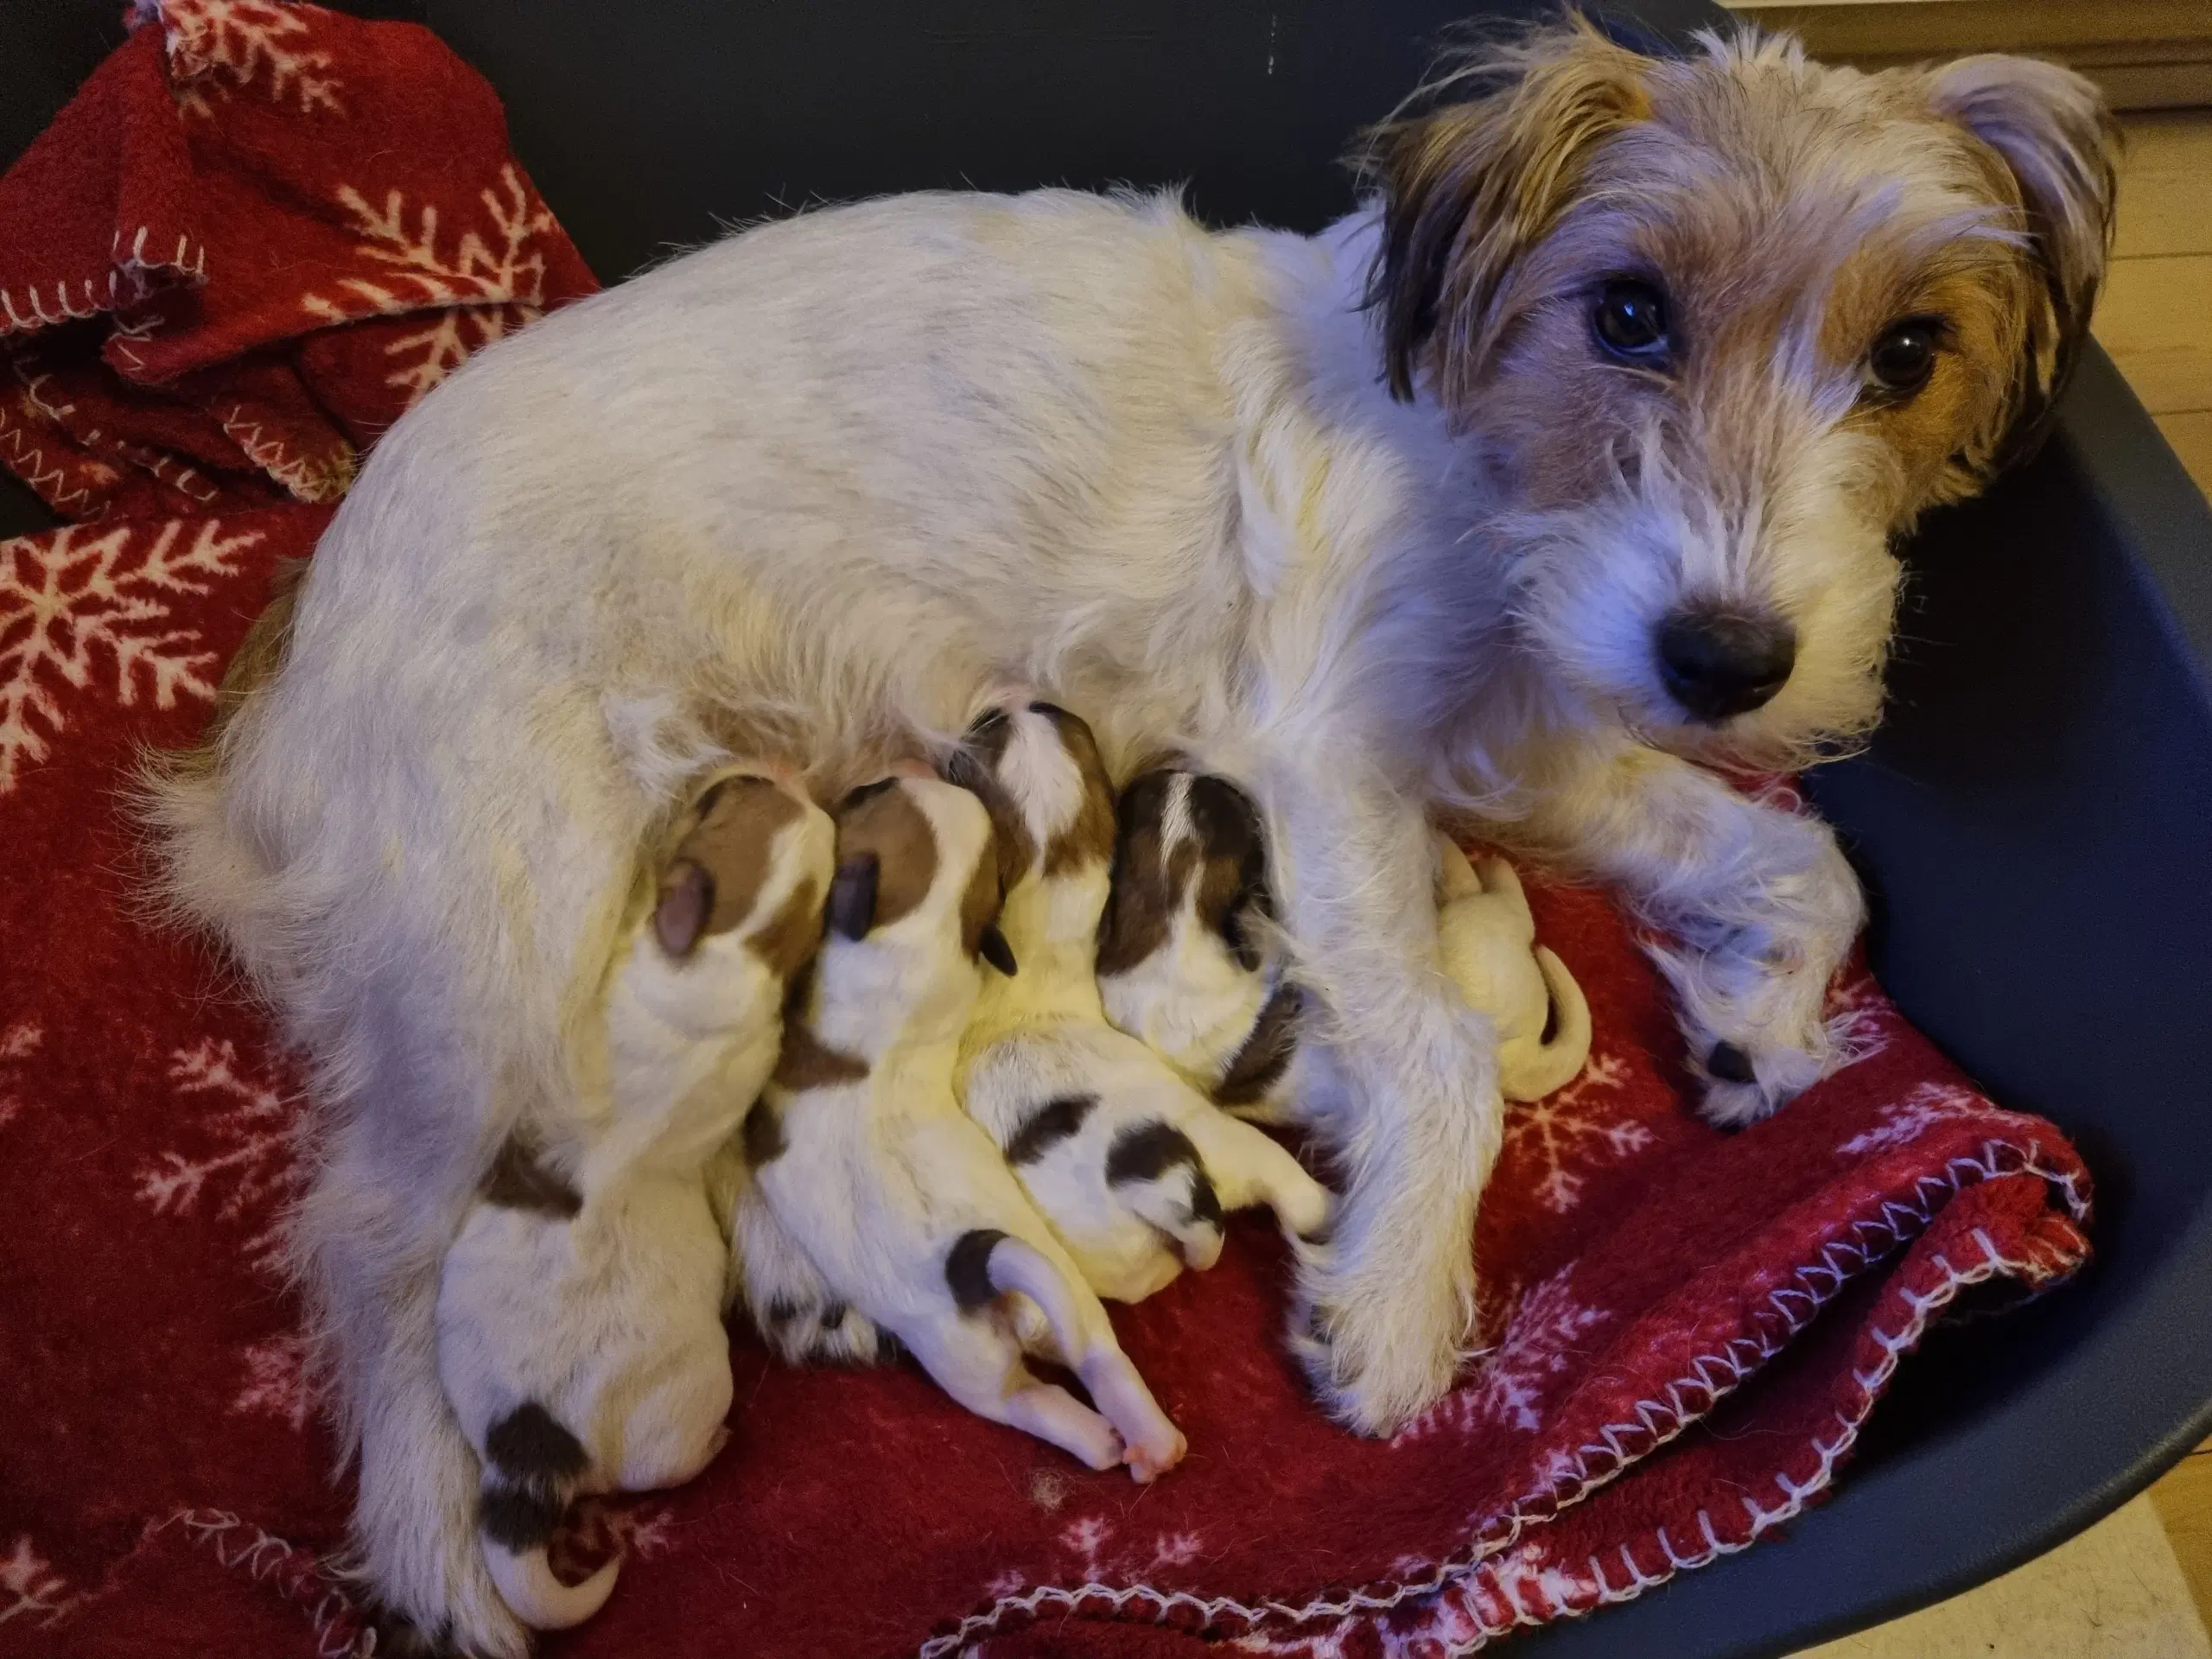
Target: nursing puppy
{"type": "Point", "coordinates": [898, 1199]}
{"type": "Point", "coordinates": [579, 1314]}
{"type": "Point", "coordinates": [1130, 1165]}
{"type": "Point", "coordinates": [1574, 456]}
{"type": "Point", "coordinates": [1191, 963]}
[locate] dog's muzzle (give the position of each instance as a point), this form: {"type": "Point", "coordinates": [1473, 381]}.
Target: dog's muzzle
{"type": "Point", "coordinates": [1717, 663]}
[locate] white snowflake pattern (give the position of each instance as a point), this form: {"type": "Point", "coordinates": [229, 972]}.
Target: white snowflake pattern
{"type": "Point", "coordinates": [276, 1382]}
{"type": "Point", "coordinates": [241, 43]}
{"type": "Point", "coordinates": [29, 1587]}
{"type": "Point", "coordinates": [1905, 1120]}
{"type": "Point", "coordinates": [1563, 1127]}
{"type": "Point", "coordinates": [74, 602]}
{"type": "Point", "coordinates": [1523, 1580]}
{"type": "Point", "coordinates": [18, 1042]}
{"type": "Point", "coordinates": [496, 281]}
{"type": "Point", "coordinates": [254, 1151]}
{"type": "Point", "coordinates": [1541, 1337]}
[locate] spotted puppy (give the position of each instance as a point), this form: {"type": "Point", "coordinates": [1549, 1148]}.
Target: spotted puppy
{"type": "Point", "coordinates": [863, 1154]}
{"type": "Point", "coordinates": [579, 1312]}
{"type": "Point", "coordinates": [1131, 1165]}
{"type": "Point", "coordinates": [1189, 960]}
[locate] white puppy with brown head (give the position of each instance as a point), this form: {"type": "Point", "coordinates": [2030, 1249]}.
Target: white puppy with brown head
{"type": "Point", "coordinates": [1193, 963]}
{"type": "Point", "coordinates": [862, 1152]}
{"type": "Point", "coordinates": [1133, 1167]}
{"type": "Point", "coordinates": [579, 1315]}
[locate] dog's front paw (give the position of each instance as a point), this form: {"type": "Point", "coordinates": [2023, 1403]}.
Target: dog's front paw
{"type": "Point", "coordinates": [1752, 983]}
{"type": "Point", "coordinates": [1375, 1356]}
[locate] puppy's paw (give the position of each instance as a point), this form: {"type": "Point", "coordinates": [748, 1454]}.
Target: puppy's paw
{"type": "Point", "coordinates": [1375, 1359]}
{"type": "Point", "coordinates": [1751, 985]}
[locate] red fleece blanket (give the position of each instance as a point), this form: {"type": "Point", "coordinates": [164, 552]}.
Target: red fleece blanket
{"type": "Point", "coordinates": [1685, 1329]}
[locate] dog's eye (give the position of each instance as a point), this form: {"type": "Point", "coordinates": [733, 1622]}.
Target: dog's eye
{"type": "Point", "coordinates": [1630, 319]}
{"type": "Point", "coordinates": [1904, 356]}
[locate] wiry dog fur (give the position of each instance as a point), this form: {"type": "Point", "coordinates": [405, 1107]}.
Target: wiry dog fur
{"type": "Point", "coordinates": [579, 1318]}
{"type": "Point", "coordinates": [1131, 1165]}
{"type": "Point", "coordinates": [862, 1150]}
{"type": "Point", "coordinates": [1368, 521]}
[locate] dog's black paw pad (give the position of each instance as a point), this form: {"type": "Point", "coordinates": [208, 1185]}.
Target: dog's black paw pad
{"type": "Point", "coordinates": [1729, 1063]}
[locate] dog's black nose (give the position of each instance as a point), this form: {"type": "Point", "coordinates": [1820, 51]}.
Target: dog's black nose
{"type": "Point", "coordinates": [1719, 662]}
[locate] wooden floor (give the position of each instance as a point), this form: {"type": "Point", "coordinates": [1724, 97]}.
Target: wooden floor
{"type": "Point", "coordinates": [2128, 1588]}
{"type": "Point", "coordinates": [2156, 315]}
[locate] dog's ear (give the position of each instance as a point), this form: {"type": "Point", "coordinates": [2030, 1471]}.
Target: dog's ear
{"type": "Point", "coordinates": [2058, 144]}
{"type": "Point", "coordinates": [1470, 187]}
{"type": "Point", "coordinates": [996, 951]}
{"type": "Point", "coordinates": [687, 899]}
{"type": "Point", "coordinates": [851, 909]}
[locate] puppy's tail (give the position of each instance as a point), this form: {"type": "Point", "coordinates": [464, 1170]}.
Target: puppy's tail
{"type": "Point", "coordinates": [1535, 1068]}
{"type": "Point", "coordinates": [531, 1465]}
{"type": "Point", "coordinates": [986, 1263]}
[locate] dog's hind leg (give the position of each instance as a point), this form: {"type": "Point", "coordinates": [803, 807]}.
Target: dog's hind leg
{"type": "Point", "coordinates": [372, 1272]}
{"type": "Point", "coordinates": [1249, 1167]}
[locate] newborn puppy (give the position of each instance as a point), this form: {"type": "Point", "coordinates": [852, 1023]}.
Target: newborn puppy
{"type": "Point", "coordinates": [1131, 1165]}
{"type": "Point", "coordinates": [1189, 960]}
{"type": "Point", "coordinates": [579, 1315]}
{"type": "Point", "coordinates": [1487, 934]}
{"type": "Point", "coordinates": [863, 1152]}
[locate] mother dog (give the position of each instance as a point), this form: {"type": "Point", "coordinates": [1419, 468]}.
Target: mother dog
{"type": "Point", "coordinates": [1576, 458]}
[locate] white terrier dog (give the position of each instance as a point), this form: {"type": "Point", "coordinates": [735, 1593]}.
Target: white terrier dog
{"type": "Point", "coordinates": [1131, 1165]}
{"type": "Point", "coordinates": [1573, 458]}
{"type": "Point", "coordinates": [862, 1151]}
{"type": "Point", "coordinates": [580, 1334]}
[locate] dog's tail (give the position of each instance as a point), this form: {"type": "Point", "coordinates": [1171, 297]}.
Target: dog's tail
{"type": "Point", "coordinates": [985, 1263]}
{"type": "Point", "coordinates": [1538, 1067]}
{"type": "Point", "coordinates": [531, 1465]}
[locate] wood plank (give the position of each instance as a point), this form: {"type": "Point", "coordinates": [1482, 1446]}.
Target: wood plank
{"type": "Point", "coordinates": [2184, 1500]}
{"type": "Point", "coordinates": [2165, 185]}
{"type": "Point", "coordinates": [2190, 434]}
{"type": "Point", "coordinates": [2152, 319]}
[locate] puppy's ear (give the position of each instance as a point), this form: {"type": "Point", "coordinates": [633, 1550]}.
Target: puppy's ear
{"type": "Point", "coordinates": [997, 951]}
{"type": "Point", "coordinates": [851, 909]}
{"type": "Point", "coordinates": [1470, 187]}
{"type": "Point", "coordinates": [2058, 144]}
{"type": "Point", "coordinates": [687, 899]}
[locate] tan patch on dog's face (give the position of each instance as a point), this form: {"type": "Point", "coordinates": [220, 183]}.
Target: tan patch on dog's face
{"type": "Point", "coordinates": [885, 821]}
{"type": "Point", "coordinates": [732, 838]}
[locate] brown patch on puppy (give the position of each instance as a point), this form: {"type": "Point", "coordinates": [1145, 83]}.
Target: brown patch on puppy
{"type": "Point", "coordinates": [885, 823]}
{"type": "Point", "coordinates": [721, 861]}
{"type": "Point", "coordinates": [1258, 1065]}
{"type": "Point", "coordinates": [520, 1180]}
{"type": "Point", "coordinates": [762, 1133]}
{"type": "Point", "coordinates": [974, 767]}
{"type": "Point", "coordinates": [787, 942]}
{"type": "Point", "coordinates": [1148, 881]}
{"type": "Point", "coordinates": [1089, 838]}
{"type": "Point", "coordinates": [806, 1062]}
{"type": "Point", "coordinates": [981, 900]}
